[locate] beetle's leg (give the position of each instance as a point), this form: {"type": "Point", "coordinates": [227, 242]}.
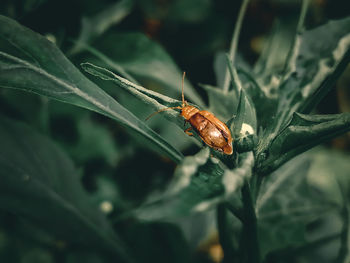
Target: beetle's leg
{"type": "Point", "coordinates": [187, 131]}
{"type": "Point", "coordinates": [184, 123]}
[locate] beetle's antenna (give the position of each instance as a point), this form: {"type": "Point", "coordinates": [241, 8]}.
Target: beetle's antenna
{"type": "Point", "coordinates": [169, 108]}
{"type": "Point", "coordinates": [183, 96]}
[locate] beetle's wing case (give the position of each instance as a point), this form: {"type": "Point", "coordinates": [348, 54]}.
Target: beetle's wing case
{"type": "Point", "coordinates": [210, 144]}
{"type": "Point", "coordinates": [209, 133]}
{"type": "Point", "coordinates": [219, 124]}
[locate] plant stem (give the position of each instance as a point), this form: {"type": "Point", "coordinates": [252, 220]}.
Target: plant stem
{"type": "Point", "coordinates": [234, 41]}
{"type": "Point", "coordinates": [304, 7]}
{"type": "Point", "coordinates": [225, 235]}
{"type": "Point", "coordinates": [249, 240]}
{"type": "Point", "coordinates": [256, 182]}
{"type": "Point", "coordinates": [236, 211]}
{"type": "Point", "coordinates": [234, 75]}
{"type": "Point", "coordinates": [299, 29]}
{"type": "Point", "coordinates": [343, 254]}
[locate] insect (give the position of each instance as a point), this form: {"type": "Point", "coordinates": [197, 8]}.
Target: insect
{"type": "Point", "coordinates": [209, 128]}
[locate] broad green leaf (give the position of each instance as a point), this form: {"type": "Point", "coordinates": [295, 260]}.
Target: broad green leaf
{"type": "Point", "coordinates": [220, 68]}
{"type": "Point", "coordinates": [275, 50]}
{"type": "Point", "coordinates": [152, 98]}
{"type": "Point", "coordinates": [76, 130]}
{"type": "Point", "coordinates": [220, 65]}
{"type": "Point", "coordinates": [200, 182]}
{"type": "Point", "coordinates": [328, 177]}
{"type": "Point", "coordinates": [329, 173]}
{"type": "Point", "coordinates": [182, 195]}
{"type": "Point", "coordinates": [25, 106]}
{"type": "Point", "coordinates": [223, 105]}
{"type": "Point", "coordinates": [87, 147]}
{"type": "Point", "coordinates": [36, 65]}
{"type": "Point", "coordinates": [113, 65]}
{"type": "Point", "coordinates": [217, 98]}
{"type": "Point", "coordinates": [313, 67]}
{"type": "Point", "coordinates": [269, 68]}
{"type": "Point", "coordinates": [303, 133]}
{"type": "Point", "coordinates": [318, 64]}
{"type": "Point", "coordinates": [39, 182]}
{"type": "Point", "coordinates": [149, 97]}
{"type": "Point", "coordinates": [287, 204]}
{"type": "Point", "coordinates": [96, 25]}
{"type": "Point", "coordinates": [146, 61]}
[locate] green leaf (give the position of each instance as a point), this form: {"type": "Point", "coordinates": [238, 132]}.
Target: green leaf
{"type": "Point", "coordinates": [275, 50]}
{"type": "Point", "coordinates": [318, 64]}
{"type": "Point", "coordinates": [287, 204]}
{"type": "Point", "coordinates": [262, 98]}
{"type": "Point", "coordinates": [268, 70]}
{"type": "Point", "coordinates": [329, 172]}
{"type": "Point", "coordinates": [217, 98]}
{"type": "Point", "coordinates": [303, 133]}
{"type": "Point", "coordinates": [197, 178]}
{"type": "Point", "coordinates": [25, 106]}
{"type": "Point", "coordinates": [200, 182]}
{"type": "Point", "coordinates": [308, 194]}
{"type": "Point", "coordinates": [313, 67]}
{"type": "Point", "coordinates": [40, 183]}
{"type": "Point", "coordinates": [96, 25]}
{"type": "Point", "coordinates": [113, 65]}
{"type": "Point", "coordinates": [36, 65]}
{"type": "Point", "coordinates": [146, 61]}
{"type": "Point", "coordinates": [149, 97]}
{"type": "Point", "coordinates": [223, 105]}
{"type": "Point", "coordinates": [87, 147]}
{"type": "Point", "coordinates": [152, 98]}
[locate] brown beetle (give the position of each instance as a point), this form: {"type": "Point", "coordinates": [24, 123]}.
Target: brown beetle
{"type": "Point", "coordinates": [211, 130]}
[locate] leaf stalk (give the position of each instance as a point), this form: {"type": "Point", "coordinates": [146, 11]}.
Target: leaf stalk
{"type": "Point", "coordinates": [234, 42]}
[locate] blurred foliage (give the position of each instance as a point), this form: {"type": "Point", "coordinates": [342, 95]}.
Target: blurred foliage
{"type": "Point", "coordinates": [96, 183]}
